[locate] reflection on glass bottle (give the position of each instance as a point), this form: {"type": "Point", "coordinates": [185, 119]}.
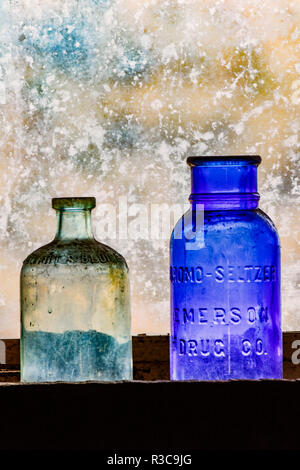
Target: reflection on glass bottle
{"type": "Point", "coordinates": [75, 312]}
{"type": "Point", "coordinates": [225, 278]}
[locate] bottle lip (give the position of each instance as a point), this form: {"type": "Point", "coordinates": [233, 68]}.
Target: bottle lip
{"type": "Point", "coordinates": [214, 160]}
{"type": "Point", "coordinates": [73, 202]}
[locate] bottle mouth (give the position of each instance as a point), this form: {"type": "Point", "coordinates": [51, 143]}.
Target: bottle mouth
{"type": "Point", "coordinates": [69, 203]}
{"type": "Point", "coordinates": [225, 181]}
{"type": "Point", "coordinates": [223, 160]}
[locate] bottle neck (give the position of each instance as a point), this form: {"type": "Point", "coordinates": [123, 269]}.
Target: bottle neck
{"type": "Point", "coordinates": [74, 224]}
{"type": "Point", "coordinates": [225, 186]}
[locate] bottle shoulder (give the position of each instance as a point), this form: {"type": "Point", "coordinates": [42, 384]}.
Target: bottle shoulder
{"type": "Point", "coordinates": [88, 251]}
{"type": "Point", "coordinates": [235, 221]}
{"type": "Point", "coordinates": [263, 219]}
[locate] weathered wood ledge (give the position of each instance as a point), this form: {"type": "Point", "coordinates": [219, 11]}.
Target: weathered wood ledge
{"type": "Point", "coordinates": [151, 358]}
{"type": "Point", "coordinates": [150, 416]}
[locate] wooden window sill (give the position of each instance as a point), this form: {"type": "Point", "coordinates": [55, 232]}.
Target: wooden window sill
{"type": "Point", "coordinates": [150, 358]}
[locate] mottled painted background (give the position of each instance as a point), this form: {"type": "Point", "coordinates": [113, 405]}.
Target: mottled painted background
{"type": "Point", "coordinates": [109, 97]}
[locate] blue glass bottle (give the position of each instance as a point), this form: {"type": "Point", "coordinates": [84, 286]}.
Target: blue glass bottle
{"type": "Point", "coordinates": [225, 277]}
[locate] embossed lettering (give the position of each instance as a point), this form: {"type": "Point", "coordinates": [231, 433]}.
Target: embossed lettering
{"type": "Point", "coordinates": [258, 274]}
{"type": "Point", "coordinates": [235, 315]}
{"type": "Point", "coordinates": [53, 258]}
{"type": "Point", "coordinates": [246, 347]}
{"type": "Point", "coordinates": [267, 273]}
{"type": "Point", "coordinates": [259, 347]}
{"type": "Point", "coordinates": [219, 273]}
{"type": "Point", "coordinates": [189, 275]}
{"type": "Point", "coordinates": [248, 270]}
{"type": "Point", "coordinates": [188, 315]}
{"type": "Point", "coordinates": [251, 314]}
{"type": "Point", "coordinates": [263, 314]}
{"type": "Point", "coordinates": [219, 316]}
{"type": "Point", "coordinates": [204, 347]}
{"type": "Point", "coordinates": [239, 274]}
{"type": "Point", "coordinates": [192, 344]}
{"type": "Point", "coordinates": [219, 348]}
{"type": "Point", "coordinates": [102, 258]}
{"type": "Point", "coordinates": [184, 274]}
{"type": "Point", "coordinates": [273, 273]}
{"type": "Point", "coordinates": [199, 274]}
{"type": "Point", "coordinates": [240, 278]}
{"type": "Point", "coordinates": [202, 314]}
{"type": "Point", "coordinates": [182, 348]}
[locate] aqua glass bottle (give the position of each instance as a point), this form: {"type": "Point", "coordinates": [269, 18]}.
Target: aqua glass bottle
{"type": "Point", "coordinates": [75, 311]}
{"type": "Point", "coordinates": [225, 277]}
